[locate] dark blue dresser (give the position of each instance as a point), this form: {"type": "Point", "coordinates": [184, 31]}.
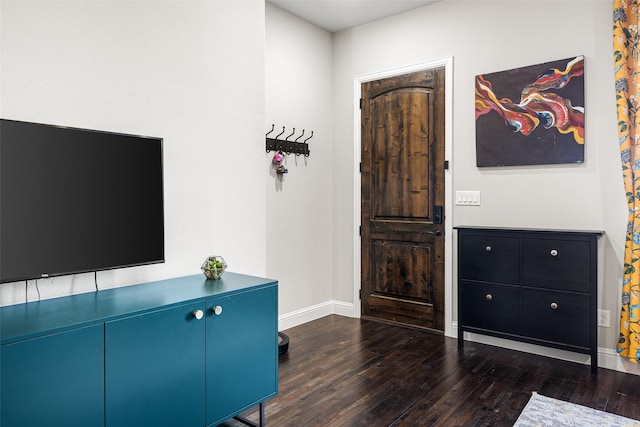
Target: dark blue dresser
{"type": "Point", "coordinates": [531, 285]}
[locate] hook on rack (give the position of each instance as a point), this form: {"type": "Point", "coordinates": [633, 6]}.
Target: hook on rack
{"type": "Point", "coordinates": [272, 127]}
{"type": "Point", "coordinates": [287, 138]}
{"type": "Point", "coordinates": [287, 146]}
{"type": "Point", "coordinates": [309, 137]}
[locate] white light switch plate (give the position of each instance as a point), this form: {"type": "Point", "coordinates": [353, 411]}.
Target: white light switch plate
{"type": "Point", "coordinates": [469, 198]}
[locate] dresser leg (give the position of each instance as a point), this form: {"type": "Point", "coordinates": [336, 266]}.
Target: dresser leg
{"type": "Point", "coordinates": [261, 422]}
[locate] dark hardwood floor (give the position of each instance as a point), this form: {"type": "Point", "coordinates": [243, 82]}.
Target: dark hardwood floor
{"type": "Point", "coordinates": [341, 371]}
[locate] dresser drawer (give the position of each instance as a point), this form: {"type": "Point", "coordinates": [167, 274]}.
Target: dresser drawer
{"type": "Point", "coordinates": [561, 317]}
{"type": "Point", "coordinates": [491, 307]}
{"type": "Point", "coordinates": [490, 259]}
{"type": "Point", "coordinates": [556, 264]}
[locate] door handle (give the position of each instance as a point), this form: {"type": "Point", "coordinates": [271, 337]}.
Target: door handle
{"type": "Point", "coordinates": [435, 232]}
{"type": "Point", "coordinates": [437, 214]}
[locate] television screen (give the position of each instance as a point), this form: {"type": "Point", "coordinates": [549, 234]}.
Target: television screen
{"type": "Point", "coordinates": [75, 200]}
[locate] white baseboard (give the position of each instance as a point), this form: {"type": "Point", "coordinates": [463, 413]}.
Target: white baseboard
{"type": "Point", "coordinates": [607, 358]}
{"type": "Point", "coordinates": [298, 317]}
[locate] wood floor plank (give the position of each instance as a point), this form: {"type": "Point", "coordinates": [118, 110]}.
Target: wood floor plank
{"type": "Point", "coordinates": [344, 372]}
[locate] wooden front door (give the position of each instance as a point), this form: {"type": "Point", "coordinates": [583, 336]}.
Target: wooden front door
{"type": "Point", "coordinates": [403, 209]}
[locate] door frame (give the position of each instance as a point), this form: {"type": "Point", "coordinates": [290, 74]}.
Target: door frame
{"type": "Point", "coordinates": [447, 62]}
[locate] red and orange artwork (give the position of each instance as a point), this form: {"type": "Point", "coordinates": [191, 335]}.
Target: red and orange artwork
{"type": "Point", "coordinates": [531, 115]}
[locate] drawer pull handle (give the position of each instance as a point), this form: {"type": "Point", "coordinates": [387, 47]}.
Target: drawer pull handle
{"type": "Point", "coordinates": [554, 305]}
{"type": "Point", "coordinates": [198, 314]}
{"type": "Point", "coordinates": [217, 310]}
{"type": "Point", "coordinates": [488, 248]}
{"type": "Point", "coordinates": [554, 252]}
{"type": "Point", "coordinates": [488, 297]}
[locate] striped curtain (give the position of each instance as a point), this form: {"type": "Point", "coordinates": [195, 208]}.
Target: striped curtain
{"type": "Point", "coordinates": [626, 47]}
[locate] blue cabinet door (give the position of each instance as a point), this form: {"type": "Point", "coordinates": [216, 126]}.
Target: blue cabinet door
{"type": "Point", "coordinates": [241, 352]}
{"type": "Point", "coordinates": [154, 369]}
{"type": "Point", "coordinates": [55, 380]}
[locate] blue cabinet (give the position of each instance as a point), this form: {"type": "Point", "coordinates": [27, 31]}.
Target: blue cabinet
{"type": "Point", "coordinates": [241, 352]}
{"type": "Point", "coordinates": [154, 367]}
{"type": "Point", "coordinates": [185, 352]}
{"type": "Point", "coordinates": [55, 380]}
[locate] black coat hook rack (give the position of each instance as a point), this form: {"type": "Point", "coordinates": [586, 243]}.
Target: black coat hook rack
{"type": "Point", "coordinates": [287, 146]}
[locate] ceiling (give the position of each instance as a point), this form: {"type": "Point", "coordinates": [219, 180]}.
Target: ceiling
{"type": "Point", "coordinates": [336, 15]}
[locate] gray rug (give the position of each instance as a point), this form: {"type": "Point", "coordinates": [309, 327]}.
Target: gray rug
{"type": "Point", "coordinates": [545, 411]}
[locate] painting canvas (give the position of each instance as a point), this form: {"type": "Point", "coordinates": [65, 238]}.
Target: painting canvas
{"type": "Point", "coordinates": [531, 115]}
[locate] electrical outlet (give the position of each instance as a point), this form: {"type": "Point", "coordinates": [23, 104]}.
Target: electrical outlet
{"type": "Point", "coordinates": [603, 318]}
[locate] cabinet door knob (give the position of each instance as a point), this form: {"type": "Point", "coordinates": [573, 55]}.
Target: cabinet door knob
{"type": "Point", "coordinates": [217, 310]}
{"type": "Point", "coordinates": [554, 252]}
{"type": "Point", "coordinates": [487, 248]}
{"type": "Point", "coordinates": [488, 297]}
{"type": "Point", "coordinates": [554, 305]}
{"type": "Point", "coordinates": [198, 314]}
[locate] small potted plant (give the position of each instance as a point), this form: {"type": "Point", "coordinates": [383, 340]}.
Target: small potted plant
{"type": "Point", "coordinates": [213, 267]}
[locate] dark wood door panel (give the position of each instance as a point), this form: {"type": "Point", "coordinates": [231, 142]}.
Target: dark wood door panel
{"type": "Point", "coordinates": [402, 284]}
{"type": "Point", "coordinates": [402, 311]}
{"type": "Point", "coordinates": [403, 270]}
{"type": "Point", "coordinates": [429, 79]}
{"type": "Point", "coordinates": [414, 231]}
{"type": "Point", "coordinates": [401, 161]}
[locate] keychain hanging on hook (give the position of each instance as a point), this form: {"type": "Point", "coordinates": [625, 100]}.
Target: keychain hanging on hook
{"type": "Point", "coordinates": [278, 161]}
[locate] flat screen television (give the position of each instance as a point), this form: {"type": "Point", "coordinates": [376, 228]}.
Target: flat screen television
{"type": "Point", "coordinates": [77, 200]}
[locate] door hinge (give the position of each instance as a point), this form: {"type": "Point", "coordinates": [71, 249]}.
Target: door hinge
{"type": "Point", "coordinates": [360, 167]}
{"type": "Point", "coordinates": [361, 103]}
{"type": "Point", "coordinates": [360, 294]}
{"type": "Point", "coordinates": [360, 230]}
{"type": "Point", "coordinates": [446, 164]}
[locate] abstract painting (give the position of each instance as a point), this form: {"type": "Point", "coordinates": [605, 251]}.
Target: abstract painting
{"type": "Point", "coordinates": [531, 115]}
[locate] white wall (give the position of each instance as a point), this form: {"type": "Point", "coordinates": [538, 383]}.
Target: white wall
{"type": "Point", "coordinates": [169, 69]}
{"type": "Point", "coordinates": [299, 204]}
{"type": "Point", "coordinates": [166, 69]}
{"type": "Point", "coordinates": [484, 37]}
